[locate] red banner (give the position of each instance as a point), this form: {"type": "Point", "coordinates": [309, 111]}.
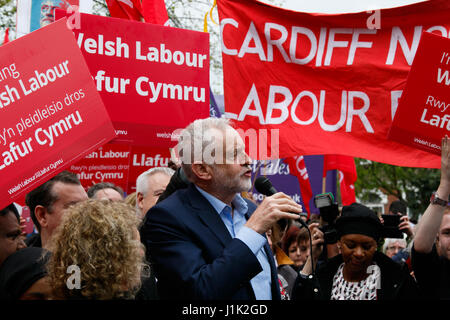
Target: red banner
{"type": "Point", "coordinates": [328, 83]}
{"type": "Point", "coordinates": [109, 163]}
{"type": "Point", "coordinates": [125, 9]}
{"type": "Point", "coordinates": [347, 175]}
{"type": "Point", "coordinates": [422, 118]}
{"type": "Point", "coordinates": [155, 11]}
{"type": "Point", "coordinates": [119, 164]}
{"type": "Point", "coordinates": [6, 37]}
{"type": "Point", "coordinates": [298, 169]}
{"type": "Point", "coordinates": [152, 79]}
{"type": "Point", "coordinates": [51, 113]}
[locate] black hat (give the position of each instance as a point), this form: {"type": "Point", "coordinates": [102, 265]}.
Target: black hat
{"type": "Point", "coordinates": [21, 270]}
{"type": "Point", "coordinates": [359, 219]}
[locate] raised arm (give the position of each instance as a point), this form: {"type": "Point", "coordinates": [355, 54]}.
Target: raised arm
{"type": "Point", "coordinates": [430, 222]}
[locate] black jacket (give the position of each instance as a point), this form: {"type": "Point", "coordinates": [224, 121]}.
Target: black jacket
{"type": "Point", "coordinates": [396, 282]}
{"type": "Point", "coordinates": [34, 240]}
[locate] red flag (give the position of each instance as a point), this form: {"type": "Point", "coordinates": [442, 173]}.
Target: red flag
{"type": "Point", "coordinates": [327, 103]}
{"type": "Point", "coordinates": [297, 168]}
{"type": "Point", "coordinates": [154, 11]}
{"type": "Point", "coordinates": [347, 175]}
{"type": "Point", "coordinates": [6, 39]}
{"type": "Point", "coordinates": [347, 189]}
{"type": "Point", "coordinates": [125, 9]}
{"type": "Point", "coordinates": [115, 10]}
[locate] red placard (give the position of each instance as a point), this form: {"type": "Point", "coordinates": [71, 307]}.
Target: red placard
{"type": "Point", "coordinates": [119, 164]}
{"type": "Point", "coordinates": [144, 158]}
{"type": "Point", "coordinates": [423, 114]}
{"type": "Point", "coordinates": [152, 79]}
{"type": "Point", "coordinates": [51, 114]}
{"type": "Point", "coordinates": [109, 163]}
{"type": "Point", "coordinates": [323, 84]}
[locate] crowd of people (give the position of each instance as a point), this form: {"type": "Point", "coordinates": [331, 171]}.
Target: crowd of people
{"type": "Point", "coordinates": [193, 232]}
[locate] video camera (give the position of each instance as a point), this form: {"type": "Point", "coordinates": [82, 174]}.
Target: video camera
{"type": "Point", "coordinates": [329, 211]}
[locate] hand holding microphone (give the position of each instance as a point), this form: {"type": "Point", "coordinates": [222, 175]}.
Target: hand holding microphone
{"type": "Point", "coordinates": [275, 206]}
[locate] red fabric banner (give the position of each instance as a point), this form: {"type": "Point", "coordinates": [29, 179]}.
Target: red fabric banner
{"type": "Point", "coordinates": [347, 187]}
{"type": "Point", "coordinates": [347, 175]}
{"type": "Point", "coordinates": [125, 9]}
{"type": "Point", "coordinates": [297, 168]}
{"type": "Point", "coordinates": [6, 38]}
{"type": "Point", "coordinates": [339, 162]}
{"type": "Point", "coordinates": [328, 83]}
{"type": "Point", "coordinates": [155, 11]}
{"type": "Point", "coordinates": [151, 11]}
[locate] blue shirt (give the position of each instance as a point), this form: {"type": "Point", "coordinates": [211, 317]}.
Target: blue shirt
{"type": "Point", "coordinates": [261, 283]}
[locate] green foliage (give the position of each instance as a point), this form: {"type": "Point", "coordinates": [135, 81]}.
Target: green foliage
{"type": "Point", "coordinates": [99, 7]}
{"type": "Point", "coordinates": [412, 185]}
{"type": "Point", "coordinates": [7, 17]}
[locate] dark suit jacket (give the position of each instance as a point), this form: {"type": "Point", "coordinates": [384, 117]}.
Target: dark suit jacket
{"type": "Point", "coordinates": [195, 256]}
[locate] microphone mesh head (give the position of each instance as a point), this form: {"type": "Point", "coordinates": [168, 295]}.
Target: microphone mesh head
{"type": "Point", "coordinates": [263, 186]}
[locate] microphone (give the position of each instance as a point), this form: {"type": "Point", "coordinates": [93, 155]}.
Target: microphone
{"type": "Point", "coordinates": [265, 187]}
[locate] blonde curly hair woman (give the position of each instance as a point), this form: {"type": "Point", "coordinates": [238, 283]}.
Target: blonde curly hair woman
{"type": "Point", "coordinates": [100, 238]}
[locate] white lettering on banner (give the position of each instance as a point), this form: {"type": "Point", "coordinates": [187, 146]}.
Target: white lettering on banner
{"type": "Point", "coordinates": [8, 96]}
{"type": "Point", "coordinates": [252, 35]}
{"type": "Point", "coordinates": [47, 136]}
{"type": "Point", "coordinates": [260, 197]}
{"type": "Point", "coordinates": [348, 111]}
{"type": "Point", "coordinates": [275, 42]}
{"type": "Point", "coordinates": [359, 44]}
{"type": "Point", "coordinates": [163, 55]}
{"type": "Point", "coordinates": [146, 161]}
{"type": "Point", "coordinates": [108, 48]}
{"type": "Point", "coordinates": [112, 154]}
{"type": "Point", "coordinates": [441, 105]}
{"type": "Point", "coordinates": [92, 155]}
{"type": "Point", "coordinates": [445, 75]}
{"type": "Point", "coordinates": [168, 91]}
{"type": "Point", "coordinates": [111, 84]}
{"type": "Point", "coordinates": [120, 49]}
{"type": "Point", "coordinates": [43, 136]}
{"type": "Point", "coordinates": [43, 79]}
{"type": "Point", "coordinates": [223, 23]}
{"type": "Point", "coordinates": [293, 45]}
{"type": "Point", "coordinates": [16, 151]}
{"type": "Point", "coordinates": [435, 120]}
{"type": "Point", "coordinates": [445, 55]}
{"type": "Point", "coordinates": [397, 37]}
{"type": "Point", "coordinates": [270, 167]}
{"type": "Point", "coordinates": [85, 176]}
{"type": "Point", "coordinates": [106, 176]}
{"type": "Point", "coordinates": [252, 98]}
{"type": "Point", "coordinates": [332, 43]}
{"type": "Point", "coordinates": [278, 36]}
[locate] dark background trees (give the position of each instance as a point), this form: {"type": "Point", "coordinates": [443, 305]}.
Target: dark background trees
{"type": "Point", "coordinates": [411, 185]}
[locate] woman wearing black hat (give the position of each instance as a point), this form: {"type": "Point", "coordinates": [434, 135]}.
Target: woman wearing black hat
{"type": "Point", "coordinates": [360, 272]}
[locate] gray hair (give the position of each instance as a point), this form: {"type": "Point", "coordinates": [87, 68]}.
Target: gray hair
{"type": "Point", "coordinates": [390, 241]}
{"type": "Point", "coordinates": [195, 135]}
{"type": "Point", "coordinates": [141, 181]}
